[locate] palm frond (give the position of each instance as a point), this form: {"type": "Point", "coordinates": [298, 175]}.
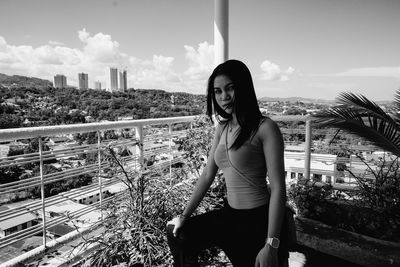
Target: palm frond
{"type": "Point", "coordinates": [396, 106]}
{"type": "Point", "coordinates": [396, 101]}
{"type": "Point", "coordinates": [361, 103]}
{"type": "Point", "coordinates": [364, 118]}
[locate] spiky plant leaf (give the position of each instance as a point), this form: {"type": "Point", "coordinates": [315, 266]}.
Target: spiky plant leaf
{"type": "Point", "coordinates": [364, 118]}
{"type": "Point", "coordinates": [396, 107]}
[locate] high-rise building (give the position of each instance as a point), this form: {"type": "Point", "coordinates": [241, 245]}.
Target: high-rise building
{"type": "Point", "coordinates": [83, 80]}
{"type": "Point", "coordinates": [60, 81]}
{"type": "Point", "coordinates": [123, 82]}
{"type": "Point", "coordinates": [97, 85]}
{"type": "Point", "coordinates": [112, 80]}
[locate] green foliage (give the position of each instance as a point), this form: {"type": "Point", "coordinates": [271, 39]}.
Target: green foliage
{"type": "Point", "coordinates": [358, 115]}
{"type": "Point", "coordinates": [306, 196]}
{"type": "Point", "coordinates": [383, 190]}
{"type": "Point", "coordinates": [197, 143]}
{"type": "Point", "coordinates": [134, 228]}
{"type": "Point", "coordinates": [10, 121]}
{"type": "Point", "coordinates": [10, 174]}
{"type": "Point", "coordinates": [46, 105]}
{"type": "Point", "coordinates": [23, 81]}
{"type": "Point", "coordinates": [55, 188]}
{"type": "Point", "coordinates": [380, 194]}
{"type": "Point", "coordinates": [372, 209]}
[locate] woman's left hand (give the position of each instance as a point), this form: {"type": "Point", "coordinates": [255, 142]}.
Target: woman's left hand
{"type": "Point", "coordinates": [267, 257]}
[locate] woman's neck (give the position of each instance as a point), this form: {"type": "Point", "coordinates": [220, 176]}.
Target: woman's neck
{"type": "Point", "coordinates": [234, 121]}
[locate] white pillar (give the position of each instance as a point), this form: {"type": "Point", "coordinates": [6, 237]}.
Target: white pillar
{"type": "Point", "coordinates": [42, 192]}
{"type": "Point", "coordinates": [307, 161]}
{"type": "Point", "coordinates": [221, 31]}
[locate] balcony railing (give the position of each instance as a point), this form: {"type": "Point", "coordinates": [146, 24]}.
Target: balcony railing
{"type": "Point", "coordinates": [30, 218]}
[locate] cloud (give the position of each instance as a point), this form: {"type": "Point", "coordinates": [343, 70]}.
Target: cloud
{"type": "Point", "coordinates": [100, 48]}
{"type": "Point", "coordinates": [156, 73]}
{"type": "Point", "coordinates": [55, 43]}
{"type": "Point", "coordinates": [100, 51]}
{"type": "Point", "coordinates": [273, 72]}
{"type": "Point", "coordinates": [371, 72]}
{"type": "Point", "coordinates": [201, 61]}
{"type": "Point", "coordinates": [46, 55]}
{"type": "Point", "coordinates": [83, 35]}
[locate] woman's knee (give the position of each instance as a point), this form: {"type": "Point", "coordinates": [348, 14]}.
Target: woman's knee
{"type": "Point", "coordinates": [170, 229]}
{"type": "Point", "coordinates": [172, 239]}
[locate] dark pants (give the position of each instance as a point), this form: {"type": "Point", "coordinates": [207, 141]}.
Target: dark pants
{"type": "Point", "coordinates": [239, 233]}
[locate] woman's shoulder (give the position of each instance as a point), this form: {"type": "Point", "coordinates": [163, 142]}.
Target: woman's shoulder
{"type": "Point", "coordinates": [219, 128]}
{"type": "Point", "coordinates": [268, 128]}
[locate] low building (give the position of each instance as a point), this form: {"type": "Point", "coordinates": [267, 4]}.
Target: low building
{"type": "Point", "coordinates": [84, 196]}
{"type": "Point", "coordinates": [69, 208]}
{"type": "Point", "coordinates": [322, 167]}
{"type": "Point", "coordinates": [17, 223]}
{"type": "Point", "coordinates": [4, 149]}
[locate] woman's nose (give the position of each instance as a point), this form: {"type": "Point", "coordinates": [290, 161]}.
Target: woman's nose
{"type": "Point", "coordinates": [226, 96]}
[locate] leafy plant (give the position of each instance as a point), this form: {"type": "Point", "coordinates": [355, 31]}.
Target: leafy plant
{"type": "Point", "coordinates": [358, 115]}
{"type": "Point", "coordinates": [374, 207]}
{"type": "Point", "coordinates": [134, 225]}
{"type": "Point", "coordinates": [197, 143]}
{"type": "Point", "coordinates": [306, 197]}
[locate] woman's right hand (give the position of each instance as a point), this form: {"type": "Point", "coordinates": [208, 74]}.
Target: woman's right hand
{"type": "Point", "coordinates": [178, 223]}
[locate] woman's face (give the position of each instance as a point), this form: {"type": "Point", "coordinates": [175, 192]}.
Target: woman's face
{"type": "Point", "coordinates": [224, 93]}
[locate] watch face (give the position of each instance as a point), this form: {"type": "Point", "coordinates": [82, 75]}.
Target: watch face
{"type": "Point", "coordinates": [273, 242]}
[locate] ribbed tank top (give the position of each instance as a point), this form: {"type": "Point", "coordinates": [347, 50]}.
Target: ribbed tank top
{"type": "Point", "coordinates": [250, 161]}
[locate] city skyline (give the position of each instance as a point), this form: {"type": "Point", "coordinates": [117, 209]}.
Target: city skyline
{"type": "Point", "coordinates": [60, 81]}
{"type": "Point", "coordinates": [310, 48]}
{"type": "Point", "coordinates": [83, 80]}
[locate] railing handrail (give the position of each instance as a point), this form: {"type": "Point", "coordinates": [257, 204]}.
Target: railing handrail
{"type": "Point", "coordinates": [32, 132]}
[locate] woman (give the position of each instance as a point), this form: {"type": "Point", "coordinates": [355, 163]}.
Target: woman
{"type": "Point", "coordinates": [246, 147]}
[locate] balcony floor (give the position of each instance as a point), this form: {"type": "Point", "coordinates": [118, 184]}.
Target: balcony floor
{"type": "Point", "coordinates": [307, 257]}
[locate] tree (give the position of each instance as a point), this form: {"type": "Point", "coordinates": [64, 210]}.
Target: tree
{"type": "Point", "coordinates": [362, 117]}
{"type": "Point", "coordinates": [10, 121]}
{"type": "Point", "coordinates": [10, 174]}
{"type": "Point", "coordinates": [34, 146]}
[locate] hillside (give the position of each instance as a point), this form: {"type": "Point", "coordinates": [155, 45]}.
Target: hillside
{"type": "Point", "coordinates": [49, 106]}
{"type": "Point", "coordinates": [296, 99]}
{"type": "Point", "coordinates": [23, 81]}
{"type": "Point", "coordinates": [311, 100]}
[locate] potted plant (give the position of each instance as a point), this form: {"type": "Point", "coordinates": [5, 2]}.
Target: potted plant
{"type": "Point", "coordinates": [368, 218]}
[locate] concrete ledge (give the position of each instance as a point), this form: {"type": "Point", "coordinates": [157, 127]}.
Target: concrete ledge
{"type": "Point", "coordinates": [39, 252]}
{"type": "Point", "coordinates": [350, 246]}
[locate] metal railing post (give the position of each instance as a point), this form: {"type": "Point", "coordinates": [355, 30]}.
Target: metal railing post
{"type": "Point", "coordinates": [307, 161]}
{"type": "Point", "coordinates": [139, 137]}
{"type": "Point", "coordinates": [99, 173]}
{"type": "Point", "coordinates": [42, 193]}
{"type": "Point", "coordinates": [170, 150]}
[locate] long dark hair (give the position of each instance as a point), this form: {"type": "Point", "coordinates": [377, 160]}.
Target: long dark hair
{"type": "Point", "coordinates": [245, 103]}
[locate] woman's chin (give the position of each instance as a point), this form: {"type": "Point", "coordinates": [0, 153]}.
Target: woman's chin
{"type": "Point", "coordinates": [228, 111]}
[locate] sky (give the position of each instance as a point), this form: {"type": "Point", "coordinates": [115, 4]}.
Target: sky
{"type": "Point", "coordinates": [293, 48]}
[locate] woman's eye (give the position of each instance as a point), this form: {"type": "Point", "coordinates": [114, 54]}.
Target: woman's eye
{"type": "Point", "coordinates": [217, 92]}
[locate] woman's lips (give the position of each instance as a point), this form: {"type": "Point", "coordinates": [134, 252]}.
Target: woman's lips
{"type": "Point", "coordinates": [229, 105]}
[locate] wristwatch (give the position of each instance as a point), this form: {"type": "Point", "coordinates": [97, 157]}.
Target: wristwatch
{"type": "Point", "coordinates": [273, 242]}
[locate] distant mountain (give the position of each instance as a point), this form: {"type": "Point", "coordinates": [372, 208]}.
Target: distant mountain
{"type": "Point", "coordinates": [297, 99]}
{"type": "Point", "coordinates": [311, 100]}
{"type": "Point", "coordinates": [23, 81]}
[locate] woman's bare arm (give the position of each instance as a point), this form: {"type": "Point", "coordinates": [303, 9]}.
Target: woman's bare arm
{"type": "Point", "coordinates": [206, 178]}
